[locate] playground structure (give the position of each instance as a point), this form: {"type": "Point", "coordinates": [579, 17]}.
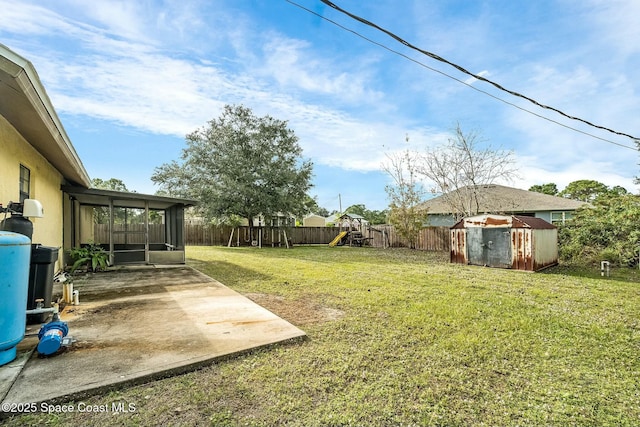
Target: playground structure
{"type": "Point", "coordinates": [340, 239]}
{"type": "Point", "coordinates": [352, 236]}
{"type": "Point", "coordinates": [274, 235]}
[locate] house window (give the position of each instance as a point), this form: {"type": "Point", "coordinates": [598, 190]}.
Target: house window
{"type": "Point", "coordinates": [559, 217]}
{"type": "Point", "coordinates": [25, 183]}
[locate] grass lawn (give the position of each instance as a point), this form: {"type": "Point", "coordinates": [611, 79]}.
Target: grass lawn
{"type": "Point", "coordinates": [400, 337]}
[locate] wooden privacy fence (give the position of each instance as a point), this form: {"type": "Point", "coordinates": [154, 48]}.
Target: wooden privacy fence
{"type": "Point", "coordinates": [212, 235]}
{"type": "Point", "coordinates": [429, 239]}
{"type": "Point", "coordinates": [131, 233]}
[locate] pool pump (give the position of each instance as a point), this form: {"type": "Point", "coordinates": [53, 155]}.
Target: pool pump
{"type": "Point", "coordinates": [52, 335]}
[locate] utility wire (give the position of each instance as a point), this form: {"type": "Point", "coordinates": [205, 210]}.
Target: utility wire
{"type": "Point", "coordinates": [463, 70]}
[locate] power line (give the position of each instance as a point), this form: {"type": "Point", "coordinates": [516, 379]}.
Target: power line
{"type": "Point", "coordinates": [463, 70]}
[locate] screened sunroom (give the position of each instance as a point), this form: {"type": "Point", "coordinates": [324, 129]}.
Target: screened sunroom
{"type": "Point", "coordinates": [133, 228]}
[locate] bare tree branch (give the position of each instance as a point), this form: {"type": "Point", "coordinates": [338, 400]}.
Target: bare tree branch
{"type": "Point", "coordinates": [406, 195]}
{"type": "Point", "coordinates": [459, 168]}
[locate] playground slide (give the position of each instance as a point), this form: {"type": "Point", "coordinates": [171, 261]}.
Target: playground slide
{"type": "Point", "coordinates": [338, 238]}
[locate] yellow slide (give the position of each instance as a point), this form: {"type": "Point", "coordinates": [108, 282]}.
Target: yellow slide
{"type": "Point", "coordinates": [338, 238]}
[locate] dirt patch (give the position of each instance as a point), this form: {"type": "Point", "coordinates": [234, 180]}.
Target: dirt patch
{"type": "Point", "coordinates": [297, 312]}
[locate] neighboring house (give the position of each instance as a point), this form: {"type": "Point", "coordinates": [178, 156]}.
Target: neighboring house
{"type": "Point", "coordinates": [313, 220]}
{"type": "Point", "coordinates": [331, 220]}
{"type": "Point", "coordinates": [500, 199]}
{"type": "Point", "coordinates": [39, 162]}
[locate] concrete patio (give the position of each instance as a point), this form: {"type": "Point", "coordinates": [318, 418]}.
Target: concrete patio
{"type": "Point", "coordinates": [136, 324]}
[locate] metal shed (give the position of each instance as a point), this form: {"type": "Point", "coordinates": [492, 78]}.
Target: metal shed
{"type": "Point", "coordinates": [505, 241]}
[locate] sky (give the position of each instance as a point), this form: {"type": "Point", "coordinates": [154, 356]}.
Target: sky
{"type": "Point", "coordinates": [130, 79]}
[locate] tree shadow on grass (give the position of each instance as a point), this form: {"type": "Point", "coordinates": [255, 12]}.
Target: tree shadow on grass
{"type": "Point", "coordinates": [315, 253]}
{"type": "Point", "coordinates": [227, 273]}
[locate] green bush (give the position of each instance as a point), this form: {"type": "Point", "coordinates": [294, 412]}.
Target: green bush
{"type": "Point", "coordinates": [606, 231]}
{"type": "Point", "coordinates": [612, 255]}
{"type": "Point", "coordinates": [90, 256]}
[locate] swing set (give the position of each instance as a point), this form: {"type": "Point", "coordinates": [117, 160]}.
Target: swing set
{"type": "Point", "coordinates": [274, 234]}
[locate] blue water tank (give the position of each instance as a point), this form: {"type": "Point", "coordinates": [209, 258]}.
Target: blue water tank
{"type": "Point", "coordinates": [15, 253]}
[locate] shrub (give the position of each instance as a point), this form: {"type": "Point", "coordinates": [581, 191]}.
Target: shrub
{"type": "Point", "coordinates": [90, 256]}
{"type": "Point", "coordinates": [612, 255]}
{"type": "Point", "coordinates": [608, 230]}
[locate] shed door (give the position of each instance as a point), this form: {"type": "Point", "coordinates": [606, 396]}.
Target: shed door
{"type": "Point", "coordinates": [489, 246]}
{"type": "Point", "coordinates": [475, 248]}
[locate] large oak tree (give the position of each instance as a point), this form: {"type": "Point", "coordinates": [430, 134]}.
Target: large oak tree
{"type": "Point", "coordinates": [240, 165]}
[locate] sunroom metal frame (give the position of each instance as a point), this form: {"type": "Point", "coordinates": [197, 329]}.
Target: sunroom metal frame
{"type": "Point", "coordinates": [170, 252]}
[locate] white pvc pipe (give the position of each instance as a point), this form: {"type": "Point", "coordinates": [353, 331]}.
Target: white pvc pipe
{"type": "Point", "coordinates": [604, 268]}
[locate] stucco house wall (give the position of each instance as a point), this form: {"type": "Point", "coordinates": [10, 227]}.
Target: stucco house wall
{"type": "Point", "coordinates": [32, 136]}
{"type": "Point", "coordinates": [45, 182]}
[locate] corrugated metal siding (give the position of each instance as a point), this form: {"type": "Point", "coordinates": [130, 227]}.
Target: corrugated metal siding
{"type": "Point", "coordinates": [497, 247]}
{"type": "Point", "coordinates": [531, 248]}
{"type": "Point", "coordinates": [546, 248]}
{"type": "Point", "coordinates": [475, 246]}
{"type": "Point", "coordinates": [522, 249]}
{"type": "Point", "coordinates": [458, 246]}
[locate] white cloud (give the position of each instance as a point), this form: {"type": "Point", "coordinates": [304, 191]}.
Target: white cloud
{"type": "Point", "coordinates": [150, 92]}
{"type": "Point", "coordinates": [471, 80]}
{"type": "Point", "coordinates": [596, 169]}
{"type": "Point", "coordinates": [28, 20]}
{"type": "Point", "coordinates": [296, 66]}
{"type": "Point", "coordinates": [557, 154]}
{"type": "Point", "coordinates": [124, 18]}
{"type": "Point", "coordinates": [133, 64]}
{"type": "Point", "coordinates": [136, 84]}
{"type": "Point", "coordinates": [617, 23]}
{"type": "Point", "coordinates": [334, 138]}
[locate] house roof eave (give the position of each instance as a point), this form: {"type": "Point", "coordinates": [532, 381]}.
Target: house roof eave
{"type": "Point", "coordinates": [26, 106]}
{"type": "Point", "coordinates": [99, 197]}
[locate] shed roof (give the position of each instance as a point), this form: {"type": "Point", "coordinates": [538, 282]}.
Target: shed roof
{"type": "Point", "coordinates": [507, 221]}
{"type": "Point", "coordinates": [499, 198]}
{"type": "Point", "coordinates": [532, 222]}
{"type": "Point", "coordinates": [26, 105]}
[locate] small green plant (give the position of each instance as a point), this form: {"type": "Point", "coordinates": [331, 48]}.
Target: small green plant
{"type": "Point", "coordinates": [90, 256]}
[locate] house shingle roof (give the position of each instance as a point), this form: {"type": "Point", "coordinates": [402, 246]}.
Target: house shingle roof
{"type": "Point", "coordinates": [499, 198]}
